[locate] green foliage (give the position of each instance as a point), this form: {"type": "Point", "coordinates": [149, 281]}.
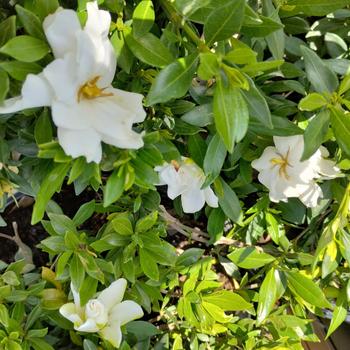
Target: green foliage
{"type": "Point", "coordinates": [221, 79]}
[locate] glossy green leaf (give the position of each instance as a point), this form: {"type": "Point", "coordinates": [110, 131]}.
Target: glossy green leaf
{"type": "Point", "coordinates": [228, 200]}
{"type": "Point", "coordinates": [148, 264]}
{"type": "Point", "coordinates": [25, 48]}
{"type": "Point", "coordinates": [143, 18]}
{"type": "Point", "coordinates": [4, 85]}
{"type": "Point", "coordinates": [7, 30]}
{"type": "Point", "coordinates": [315, 133]}
{"type": "Point", "coordinates": [149, 49]}
{"type": "Point", "coordinates": [340, 312]}
{"type": "Point", "coordinates": [257, 105]}
{"type": "Point", "coordinates": [224, 21]}
{"type": "Point", "coordinates": [227, 301]}
{"type": "Point", "coordinates": [19, 70]}
{"type": "Point", "coordinates": [215, 156]}
{"type": "Point", "coordinates": [114, 187]}
{"type": "Point", "coordinates": [51, 184]}
{"type": "Point", "coordinates": [250, 258]}
{"type": "Point", "coordinates": [316, 7]}
{"type": "Point", "coordinates": [312, 101]}
{"type": "Point", "coordinates": [341, 127]}
{"type": "Point", "coordinates": [231, 114]}
{"type": "Point", "coordinates": [173, 81]}
{"type": "Point", "coordinates": [320, 76]}
{"type": "Point", "coordinates": [306, 289]}
{"type": "Point", "coordinates": [267, 294]}
{"type": "Point", "coordinates": [31, 22]}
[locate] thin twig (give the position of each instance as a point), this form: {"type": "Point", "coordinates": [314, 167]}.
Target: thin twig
{"type": "Point", "coordinates": [194, 233]}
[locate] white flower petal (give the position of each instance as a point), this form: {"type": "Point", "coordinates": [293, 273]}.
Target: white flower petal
{"type": "Point", "coordinates": [61, 74]}
{"type": "Point", "coordinates": [113, 294]}
{"type": "Point", "coordinates": [293, 146]}
{"type": "Point", "coordinates": [75, 117]}
{"type": "Point", "coordinates": [96, 58]}
{"type": "Point", "coordinates": [311, 195]}
{"type": "Point", "coordinates": [70, 312]}
{"type": "Point", "coordinates": [36, 92]}
{"type": "Point", "coordinates": [192, 200]}
{"type": "Point", "coordinates": [89, 326]}
{"type": "Point", "coordinates": [76, 296]}
{"type": "Point", "coordinates": [132, 102]}
{"type": "Point", "coordinates": [131, 139]}
{"type": "Point", "coordinates": [77, 143]}
{"type": "Point", "coordinates": [112, 333]}
{"type": "Point", "coordinates": [211, 198]}
{"type": "Point", "coordinates": [264, 162]}
{"type": "Point", "coordinates": [60, 29]}
{"type": "Point", "coordinates": [125, 312]}
{"type": "Point", "coordinates": [98, 21]}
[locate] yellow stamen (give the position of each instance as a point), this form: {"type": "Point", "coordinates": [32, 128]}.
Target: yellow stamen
{"type": "Point", "coordinates": [175, 164]}
{"type": "Point", "coordinates": [90, 90]}
{"type": "Point", "coordinates": [282, 163]}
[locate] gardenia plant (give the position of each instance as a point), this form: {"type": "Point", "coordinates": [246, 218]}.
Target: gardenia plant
{"type": "Point", "coordinates": [285, 175]}
{"type": "Point", "coordinates": [185, 179]}
{"type": "Point", "coordinates": [105, 314]}
{"type": "Point", "coordinates": [209, 209]}
{"type": "Point", "coordinates": [77, 85]}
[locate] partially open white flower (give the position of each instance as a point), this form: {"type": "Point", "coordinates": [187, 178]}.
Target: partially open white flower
{"type": "Point", "coordinates": [282, 172]}
{"type": "Point", "coordinates": [105, 314]}
{"type": "Point", "coordinates": [77, 85]}
{"type": "Point", "coordinates": [185, 179]}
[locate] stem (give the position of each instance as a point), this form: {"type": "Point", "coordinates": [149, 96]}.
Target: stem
{"type": "Point", "coordinates": [175, 17]}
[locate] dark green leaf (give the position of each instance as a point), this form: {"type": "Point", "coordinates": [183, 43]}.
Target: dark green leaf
{"type": "Point", "coordinates": [19, 70]}
{"type": "Point", "coordinates": [149, 49]}
{"type": "Point", "coordinates": [228, 200]}
{"type": "Point", "coordinates": [320, 76]}
{"type": "Point", "coordinates": [25, 48]}
{"type": "Point", "coordinates": [143, 18]}
{"type": "Point", "coordinates": [231, 114]}
{"type": "Point", "coordinates": [7, 30]}
{"type": "Point", "coordinates": [315, 133]}
{"type": "Point", "coordinates": [215, 156]}
{"type": "Point", "coordinates": [306, 289]}
{"type": "Point", "coordinates": [224, 21]}
{"type": "Point", "coordinates": [31, 22]}
{"type": "Point", "coordinates": [114, 187]}
{"type": "Point", "coordinates": [250, 258]}
{"type": "Point", "coordinates": [341, 127]}
{"type": "Point", "coordinates": [4, 85]}
{"type": "Point", "coordinates": [51, 183]}
{"type": "Point", "coordinates": [173, 81]}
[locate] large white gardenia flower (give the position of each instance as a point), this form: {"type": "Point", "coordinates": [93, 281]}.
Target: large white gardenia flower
{"type": "Point", "coordinates": [282, 172]}
{"type": "Point", "coordinates": [185, 179]}
{"type": "Point", "coordinates": [77, 85]}
{"type": "Point", "coordinates": [105, 314]}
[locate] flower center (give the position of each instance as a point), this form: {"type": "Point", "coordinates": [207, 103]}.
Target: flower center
{"type": "Point", "coordinates": [175, 164]}
{"type": "Point", "coordinates": [90, 90]}
{"type": "Point", "coordinates": [283, 164]}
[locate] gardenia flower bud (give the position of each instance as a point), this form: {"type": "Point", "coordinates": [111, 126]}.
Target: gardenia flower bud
{"type": "Point", "coordinates": [105, 314]}
{"type": "Point", "coordinates": [78, 86]}
{"type": "Point", "coordinates": [186, 179]}
{"type": "Point", "coordinates": [285, 175]}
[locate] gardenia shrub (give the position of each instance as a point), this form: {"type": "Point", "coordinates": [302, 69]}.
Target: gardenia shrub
{"type": "Point", "coordinates": [204, 146]}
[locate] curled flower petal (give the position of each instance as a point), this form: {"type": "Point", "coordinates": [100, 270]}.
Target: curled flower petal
{"type": "Point", "coordinates": [125, 312]}
{"type": "Point", "coordinates": [89, 326]}
{"type": "Point", "coordinates": [89, 144]}
{"type": "Point", "coordinates": [113, 294]}
{"type": "Point", "coordinates": [112, 333]}
{"type": "Point", "coordinates": [70, 312]}
{"type": "Point", "coordinates": [36, 92]}
{"type": "Point", "coordinates": [61, 29]}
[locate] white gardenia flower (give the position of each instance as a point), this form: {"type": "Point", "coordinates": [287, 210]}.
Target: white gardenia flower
{"type": "Point", "coordinates": [77, 85]}
{"type": "Point", "coordinates": [282, 172]}
{"type": "Point", "coordinates": [105, 314]}
{"type": "Point", "coordinates": [185, 179]}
